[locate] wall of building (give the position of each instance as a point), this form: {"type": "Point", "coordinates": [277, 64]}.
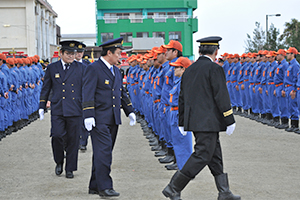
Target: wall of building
{"type": "Point", "coordinates": [28, 26]}
{"type": "Point", "coordinates": [120, 16]}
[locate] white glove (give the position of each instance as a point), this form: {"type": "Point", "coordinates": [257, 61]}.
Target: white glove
{"type": "Point", "coordinates": [181, 129]}
{"type": "Point", "coordinates": [41, 113]}
{"type": "Point", "coordinates": [132, 118]}
{"type": "Point", "coordinates": [89, 123]}
{"type": "Point", "coordinates": [230, 129]}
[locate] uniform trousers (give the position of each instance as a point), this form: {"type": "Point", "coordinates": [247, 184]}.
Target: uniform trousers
{"type": "Point", "coordinates": [84, 135]}
{"type": "Point", "coordinates": [258, 106]}
{"type": "Point", "coordinates": [182, 144]}
{"type": "Point", "coordinates": [282, 102]}
{"type": "Point", "coordinates": [244, 96]}
{"type": "Point", "coordinates": [292, 104]}
{"type": "Point", "coordinates": [156, 119]}
{"type": "Point", "coordinates": [273, 101]}
{"type": "Point", "coordinates": [231, 93]}
{"type": "Point", "coordinates": [167, 126]}
{"type": "Point", "coordinates": [266, 99]}
{"type": "Point", "coordinates": [65, 132]}
{"type": "Point", "coordinates": [207, 151]}
{"type": "Point", "coordinates": [103, 140]}
{"type": "Point", "coordinates": [237, 95]}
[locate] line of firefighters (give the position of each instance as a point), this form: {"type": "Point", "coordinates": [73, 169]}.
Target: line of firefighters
{"type": "Point", "coordinates": [265, 87]}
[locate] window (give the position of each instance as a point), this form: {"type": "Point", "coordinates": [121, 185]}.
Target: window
{"type": "Point", "coordinates": [157, 16]}
{"type": "Point", "coordinates": [159, 34]}
{"type": "Point", "coordinates": [179, 16]}
{"type": "Point", "coordinates": [136, 18]}
{"type": "Point", "coordinates": [123, 15]}
{"type": "Point", "coordinates": [175, 35]}
{"type": "Point", "coordinates": [127, 37]}
{"type": "Point", "coordinates": [110, 18]}
{"type": "Point", "coordinates": [142, 34]}
{"type": "Point", "coordinates": [106, 36]}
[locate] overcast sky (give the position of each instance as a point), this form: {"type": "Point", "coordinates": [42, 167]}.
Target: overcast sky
{"type": "Point", "coordinates": [230, 19]}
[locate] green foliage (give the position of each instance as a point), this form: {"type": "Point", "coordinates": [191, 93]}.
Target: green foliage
{"type": "Point", "coordinates": [275, 41]}
{"type": "Point", "coordinates": [291, 34]}
{"type": "Point", "coordinates": [258, 41]}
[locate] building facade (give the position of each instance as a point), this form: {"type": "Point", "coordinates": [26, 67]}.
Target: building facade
{"type": "Point", "coordinates": [169, 19]}
{"type": "Point", "coordinates": [28, 26]}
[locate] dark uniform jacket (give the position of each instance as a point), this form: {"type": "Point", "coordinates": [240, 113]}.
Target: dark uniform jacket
{"type": "Point", "coordinates": [66, 88]}
{"type": "Point", "coordinates": [104, 95]}
{"type": "Point", "coordinates": [204, 103]}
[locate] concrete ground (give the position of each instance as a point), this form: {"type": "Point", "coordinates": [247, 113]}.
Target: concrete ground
{"type": "Point", "coordinates": [263, 163]}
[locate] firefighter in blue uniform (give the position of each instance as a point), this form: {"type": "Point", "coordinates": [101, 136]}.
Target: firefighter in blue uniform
{"type": "Point", "coordinates": [271, 87]}
{"type": "Point", "coordinates": [279, 87]}
{"type": "Point", "coordinates": [64, 78]}
{"type": "Point", "coordinates": [246, 84]}
{"type": "Point", "coordinates": [234, 84]}
{"type": "Point", "coordinates": [84, 134]}
{"type": "Point", "coordinates": [182, 141]}
{"type": "Point", "coordinates": [266, 111]}
{"type": "Point", "coordinates": [158, 81]}
{"type": "Point", "coordinates": [290, 80]}
{"type": "Point", "coordinates": [3, 97]}
{"type": "Point", "coordinates": [174, 51]}
{"type": "Point", "coordinates": [258, 107]}
{"type": "Point", "coordinates": [103, 98]}
{"type": "Point", "coordinates": [252, 85]}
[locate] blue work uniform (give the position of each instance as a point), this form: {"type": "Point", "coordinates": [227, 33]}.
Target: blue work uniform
{"type": "Point", "coordinates": [271, 88]}
{"type": "Point", "coordinates": [279, 86]}
{"type": "Point", "coordinates": [182, 145]}
{"type": "Point", "coordinates": [290, 80]}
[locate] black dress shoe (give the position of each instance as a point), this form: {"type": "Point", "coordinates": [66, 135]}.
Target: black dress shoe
{"type": "Point", "coordinates": [82, 148]}
{"type": "Point", "coordinates": [93, 191]}
{"type": "Point", "coordinates": [172, 166]}
{"type": "Point", "coordinates": [108, 193]}
{"type": "Point", "coordinates": [58, 169]}
{"type": "Point", "coordinates": [69, 175]}
{"type": "Point", "coordinates": [167, 159]}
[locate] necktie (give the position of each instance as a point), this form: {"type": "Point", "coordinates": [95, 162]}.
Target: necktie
{"type": "Point", "coordinates": [112, 70]}
{"type": "Point", "coordinates": [67, 66]}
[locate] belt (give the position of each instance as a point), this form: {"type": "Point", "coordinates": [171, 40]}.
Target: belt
{"type": "Point", "coordinates": [271, 83]}
{"type": "Point", "coordinates": [257, 83]}
{"type": "Point", "coordinates": [174, 108]}
{"type": "Point", "coordinates": [166, 104]}
{"type": "Point", "coordinates": [288, 85]}
{"type": "Point", "coordinates": [246, 80]}
{"type": "Point", "coordinates": [228, 82]}
{"type": "Point", "coordinates": [251, 83]}
{"type": "Point", "coordinates": [134, 83]}
{"type": "Point", "coordinates": [233, 81]}
{"type": "Point", "coordinates": [263, 84]}
{"type": "Point", "coordinates": [157, 100]}
{"type": "Point", "coordinates": [277, 85]}
{"type": "Point", "coordinates": [241, 82]}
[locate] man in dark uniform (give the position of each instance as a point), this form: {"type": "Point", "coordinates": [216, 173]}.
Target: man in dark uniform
{"type": "Point", "coordinates": [64, 78]}
{"type": "Point", "coordinates": [103, 98]}
{"type": "Point", "coordinates": [205, 109]}
{"type": "Point", "coordinates": [84, 134]}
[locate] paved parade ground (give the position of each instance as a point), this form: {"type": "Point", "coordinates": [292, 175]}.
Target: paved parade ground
{"type": "Point", "coordinates": [263, 163]}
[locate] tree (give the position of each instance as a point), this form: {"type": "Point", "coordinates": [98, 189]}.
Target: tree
{"type": "Point", "coordinates": [291, 34]}
{"type": "Point", "coordinates": [258, 41]}
{"type": "Point", "coordinates": [273, 43]}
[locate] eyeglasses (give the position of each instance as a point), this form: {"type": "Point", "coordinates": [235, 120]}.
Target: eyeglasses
{"type": "Point", "coordinates": [70, 53]}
